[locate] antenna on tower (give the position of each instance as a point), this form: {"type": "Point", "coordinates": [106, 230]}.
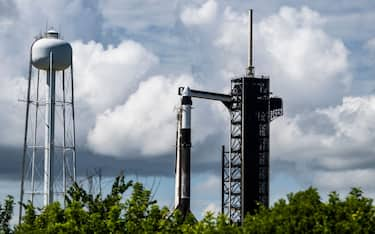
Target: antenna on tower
{"type": "Point", "coordinates": [46, 29]}
{"type": "Point", "coordinates": [250, 67]}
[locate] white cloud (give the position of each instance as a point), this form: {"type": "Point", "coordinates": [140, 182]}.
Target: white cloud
{"type": "Point", "coordinates": [211, 207]}
{"type": "Point", "coordinates": [105, 77]}
{"type": "Point", "coordinates": [145, 123]}
{"type": "Point", "coordinates": [354, 119]}
{"type": "Point", "coordinates": [297, 44]}
{"type": "Point", "coordinates": [205, 14]}
{"type": "Point", "coordinates": [308, 67]}
{"type": "Point", "coordinates": [233, 32]}
{"type": "Point", "coordinates": [346, 147]}
{"type": "Point", "coordinates": [295, 32]}
{"type": "Point", "coordinates": [351, 126]}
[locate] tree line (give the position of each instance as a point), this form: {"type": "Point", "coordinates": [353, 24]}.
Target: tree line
{"type": "Point", "coordinates": [301, 212]}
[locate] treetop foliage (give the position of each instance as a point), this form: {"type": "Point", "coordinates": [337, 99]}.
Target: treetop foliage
{"type": "Point", "coordinates": [301, 212]}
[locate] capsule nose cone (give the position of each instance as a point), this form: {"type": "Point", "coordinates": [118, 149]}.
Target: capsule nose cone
{"type": "Point", "coordinates": [186, 91]}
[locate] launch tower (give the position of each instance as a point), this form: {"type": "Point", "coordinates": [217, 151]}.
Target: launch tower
{"type": "Point", "coordinates": [245, 166]}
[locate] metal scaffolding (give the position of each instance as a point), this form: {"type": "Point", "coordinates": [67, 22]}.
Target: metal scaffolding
{"type": "Point", "coordinates": [49, 154]}
{"type": "Point", "coordinates": [245, 167]}
{"type": "Point", "coordinates": [232, 160]}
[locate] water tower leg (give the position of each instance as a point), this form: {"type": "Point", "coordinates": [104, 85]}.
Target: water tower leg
{"type": "Point", "coordinates": [25, 146]}
{"type": "Point", "coordinates": [50, 137]}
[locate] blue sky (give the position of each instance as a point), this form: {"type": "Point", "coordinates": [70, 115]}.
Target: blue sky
{"type": "Point", "coordinates": [130, 56]}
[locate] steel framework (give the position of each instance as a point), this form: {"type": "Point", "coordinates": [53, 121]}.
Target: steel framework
{"type": "Point", "coordinates": [232, 160]}
{"type": "Point", "coordinates": [245, 167]}
{"type": "Point", "coordinates": [49, 105]}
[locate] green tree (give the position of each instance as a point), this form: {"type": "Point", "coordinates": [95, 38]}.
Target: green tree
{"type": "Point", "coordinates": [355, 214]}
{"type": "Point", "coordinates": [301, 212]}
{"type": "Point", "coordinates": [304, 212]}
{"type": "Point", "coordinates": [83, 213]}
{"type": "Point", "coordinates": [6, 212]}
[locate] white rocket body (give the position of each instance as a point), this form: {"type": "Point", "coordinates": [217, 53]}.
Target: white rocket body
{"type": "Point", "coordinates": [183, 154]}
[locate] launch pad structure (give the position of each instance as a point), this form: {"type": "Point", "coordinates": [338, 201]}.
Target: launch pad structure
{"type": "Point", "coordinates": [49, 155]}
{"type": "Point", "coordinates": [245, 165]}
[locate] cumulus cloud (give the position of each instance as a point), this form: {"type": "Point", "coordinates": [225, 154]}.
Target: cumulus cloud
{"type": "Point", "coordinates": [306, 62]}
{"type": "Point", "coordinates": [211, 207]}
{"type": "Point", "coordinates": [145, 123]}
{"type": "Point", "coordinates": [290, 31]}
{"type": "Point", "coordinates": [233, 32]}
{"type": "Point", "coordinates": [295, 39]}
{"type": "Point", "coordinates": [205, 14]}
{"type": "Point", "coordinates": [345, 148]}
{"type": "Point", "coordinates": [105, 77]}
{"type": "Point", "coordinates": [292, 47]}
{"type": "Point", "coordinates": [350, 127]}
{"type": "Point", "coordinates": [354, 119]}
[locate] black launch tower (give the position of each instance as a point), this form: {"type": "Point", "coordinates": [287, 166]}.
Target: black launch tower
{"type": "Point", "coordinates": [245, 168]}
{"type": "Point", "coordinates": [246, 165]}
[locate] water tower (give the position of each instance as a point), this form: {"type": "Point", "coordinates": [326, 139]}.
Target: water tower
{"type": "Point", "coordinates": [49, 153]}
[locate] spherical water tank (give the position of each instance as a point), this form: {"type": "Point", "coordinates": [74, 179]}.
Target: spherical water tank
{"type": "Point", "coordinates": [51, 44]}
